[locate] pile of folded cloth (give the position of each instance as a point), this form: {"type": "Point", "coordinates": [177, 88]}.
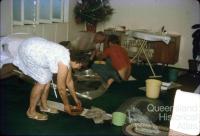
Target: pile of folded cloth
{"type": "Point", "coordinates": [98, 115]}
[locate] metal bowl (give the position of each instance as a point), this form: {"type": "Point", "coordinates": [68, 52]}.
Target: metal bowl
{"type": "Point", "coordinates": [88, 72]}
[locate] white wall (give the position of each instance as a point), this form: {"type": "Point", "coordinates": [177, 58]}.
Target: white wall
{"type": "Point", "coordinates": [55, 32]}
{"type": "Point", "coordinates": [176, 15]}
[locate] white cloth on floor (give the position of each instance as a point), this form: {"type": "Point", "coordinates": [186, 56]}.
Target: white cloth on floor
{"type": "Point", "coordinates": [98, 115]}
{"type": "Point", "coordinates": [186, 113]}
{"type": "Point", "coordinates": [39, 58]}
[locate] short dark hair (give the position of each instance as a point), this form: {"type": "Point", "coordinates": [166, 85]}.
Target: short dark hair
{"type": "Point", "coordinates": [100, 35]}
{"type": "Point", "coordinates": [75, 55]}
{"type": "Point", "coordinates": [66, 44]}
{"type": "Point", "coordinates": [113, 39]}
{"type": "Point", "coordinates": [79, 57]}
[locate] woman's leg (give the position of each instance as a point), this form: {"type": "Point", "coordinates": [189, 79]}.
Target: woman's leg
{"type": "Point", "coordinates": [44, 96]}
{"type": "Point", "coordinates": [36, 93]}
{"type": "Point", "coordinates": [43, 103]}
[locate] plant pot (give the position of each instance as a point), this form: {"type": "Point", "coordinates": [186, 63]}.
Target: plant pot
{"type": "Point", "coordinates": [194, 66]}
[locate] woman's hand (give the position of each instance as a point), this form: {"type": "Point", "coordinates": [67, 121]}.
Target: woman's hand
{"type": "Point", "coordinates": [73, 110]}
{"type": "Point", "coordinates": [67, 108]}
{"type": "Point", "coordinates": [78, 103]}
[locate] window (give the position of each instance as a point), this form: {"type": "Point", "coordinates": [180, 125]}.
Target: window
{"type": "Point", "coordinates": [18, 12]}
{"type": "Point", "coordinates": [44, 11]}
{"type": "Point", "coordinates": [30, 7]}
{"type": "Point", "coordinates": [39, 11]}
{"type": "Point", "coordinates": [57, 10]}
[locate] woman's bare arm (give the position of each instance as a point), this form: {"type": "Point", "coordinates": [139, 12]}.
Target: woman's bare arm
{"type": "Point", "coordinates": [71, 87]}
{"type": "Point", "coordinates": [61, 78]}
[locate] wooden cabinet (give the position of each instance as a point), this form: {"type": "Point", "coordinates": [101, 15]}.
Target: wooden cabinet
{"type": "Point", "coordinates": [166, 53]}
{"type": "Point", "coordinates": [158, 52]}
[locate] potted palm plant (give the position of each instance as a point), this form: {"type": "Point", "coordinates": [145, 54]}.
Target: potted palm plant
{"type": "Point", "coordinates": [194, 64]}
{"type": "Point", "coordinates": [92, 12]}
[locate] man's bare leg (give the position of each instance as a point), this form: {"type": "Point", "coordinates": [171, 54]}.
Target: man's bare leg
{"type": "Point", "coordinates": [109, 82]}
{"type": "Point", "coordinates": [125, 73]}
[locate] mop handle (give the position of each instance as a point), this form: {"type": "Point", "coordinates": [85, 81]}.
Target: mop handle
{"type": "Point", "coordinates": [77, 93]}
{"type": "Point", "coordinates": [54, 88]}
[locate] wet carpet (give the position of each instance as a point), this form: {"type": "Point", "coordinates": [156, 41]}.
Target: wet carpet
{"type": "Point", "coordinates": [14, 99]}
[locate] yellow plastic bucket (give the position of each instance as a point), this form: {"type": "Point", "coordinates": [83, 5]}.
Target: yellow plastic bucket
{"type": "Point", "coordinates": [153, 88]}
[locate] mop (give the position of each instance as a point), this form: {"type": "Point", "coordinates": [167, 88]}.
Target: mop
{"type": "Point", "coordinates": [53, 85]}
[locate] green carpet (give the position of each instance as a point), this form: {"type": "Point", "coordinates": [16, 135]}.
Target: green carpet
{"type": "Point", "coordinates": [15, 98]}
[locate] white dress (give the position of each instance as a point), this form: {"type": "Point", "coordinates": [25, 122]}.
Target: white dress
{"type": "Point", "coordinates": [39, 58]}
{"type": "Point", "coordinates": [9, 46]}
